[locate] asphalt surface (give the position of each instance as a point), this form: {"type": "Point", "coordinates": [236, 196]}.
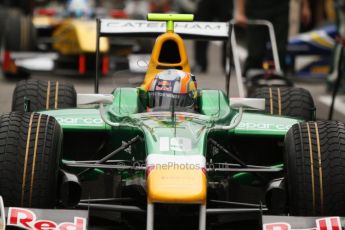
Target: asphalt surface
{"type": "Point", "coordinates": [213, 79]}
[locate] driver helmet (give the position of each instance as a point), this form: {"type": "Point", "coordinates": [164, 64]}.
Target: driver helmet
{"type": "Point", "coordinates": [173, 89]}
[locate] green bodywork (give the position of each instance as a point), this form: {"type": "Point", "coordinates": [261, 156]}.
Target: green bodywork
{"type": "Point", "coordinates": [86, 119]}
{"type": "Point", "coordinates": [159, 128]}
{"type": "Point", "coordinates": [214, 110]}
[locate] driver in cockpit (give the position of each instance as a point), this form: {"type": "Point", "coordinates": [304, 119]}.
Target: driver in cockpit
{"type": "Point", "coordinates": [172, 90]}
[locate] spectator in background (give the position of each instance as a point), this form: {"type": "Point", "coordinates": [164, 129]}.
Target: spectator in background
{"type": "Point", "coordinates": [160, 6]}
{"type": "Point", "coordinates": [137, 9]}
{"type": "Point", "coordinates": [210, 10]}
{"type": "Point", "coordinates": [185, 6]}
{"type": "Point", "coordinates": [275, 11]}
{"type": "Point", "coordinates": [317, 10]}
{"type": "Point", "coordinates": [80, 8]}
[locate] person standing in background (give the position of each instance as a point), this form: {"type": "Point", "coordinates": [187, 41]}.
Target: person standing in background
{"type": "Point", "coordinates": [80, 8]}
{"type": "Point", "coordinates": [185, 6]}
{"type": "Point", "coordinates": [317, 9]}
{"type": "Point", "coordinates": [210, 10]}
{"type": "Point", "coordinates": [160, 6]}
{"type": "Point", "coordinates": [275, 11]}
{"type": "Point", "coordinates": [137, 9]}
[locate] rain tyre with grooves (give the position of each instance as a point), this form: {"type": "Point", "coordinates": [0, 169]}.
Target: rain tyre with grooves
{"type": "Point", "coordinates": [287, 101]}
{"type": "Point", "coordinates": [30, 146]}
{"type": "Point", "coordinates": [43, 95]}
{"type": "Point", "coordinates": [315, 168]}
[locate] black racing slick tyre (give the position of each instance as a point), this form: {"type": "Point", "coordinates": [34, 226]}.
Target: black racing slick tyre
{"type": "Point", "coordinates": [3, 17]}
{"type": "Point", "coordinates": [35, 95]}
{"type": "Point", "coordinates": [315, 168]}
{"type": "Point", "coordinates": [20, 34]}
{"type": "Point", "coordinates": [30, 146]}
{"type": "Point", "coordinates": [287, 101]}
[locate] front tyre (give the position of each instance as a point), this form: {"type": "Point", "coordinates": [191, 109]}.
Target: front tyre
{"type": "Point", "coordinates": [30, 145]}
{"type": "Point", "coordinates": [315, 168]}
{"type": "Point", "coordinates": [43, 95]}
{"type": "Point", "coordinates": [287, 101]}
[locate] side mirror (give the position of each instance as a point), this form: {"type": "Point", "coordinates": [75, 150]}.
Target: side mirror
{"type": "Point", "coordinates": [87, 99]}
{"type": "Point", "coordinates": [243, 104]}
{"type": "Point", "coordinates": [247, 103]}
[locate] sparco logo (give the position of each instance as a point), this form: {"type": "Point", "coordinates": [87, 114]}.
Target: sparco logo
{"type": "Point", "coordinates": [79, 120]}
{"type": "Point", "coordinates": [330, 223]}
{"type": "Point", "coordinates": [263, 126]}
{"type": "Point", "coordinates": [27, 219]}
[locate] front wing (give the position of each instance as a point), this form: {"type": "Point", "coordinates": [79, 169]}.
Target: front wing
{"type": "Point", "coordinates": [29, 218]}
{"type": "Point", "coordinates": [302, 223]}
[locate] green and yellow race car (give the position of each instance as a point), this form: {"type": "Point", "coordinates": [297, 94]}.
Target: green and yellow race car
{"type": "Point", "coordinates": [169, 154]}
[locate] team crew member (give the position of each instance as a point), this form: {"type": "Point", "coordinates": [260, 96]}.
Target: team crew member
{"type": "Point", "coordinates": [210, 10]}
{"type": "Point", "coordinates": [275, 11]}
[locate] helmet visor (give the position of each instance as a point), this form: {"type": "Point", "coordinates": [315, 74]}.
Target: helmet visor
{"type": "Point", "coordinates": [165, 101]}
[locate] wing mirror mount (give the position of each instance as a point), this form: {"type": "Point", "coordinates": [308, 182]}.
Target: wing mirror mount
{"type": "Point", "coordinates": [101, 100]}
{"type": "Point", "coordinates": [242, 104]}
{"type": "Point", "coordinates": [247, 103]}
{"type": "Point", "coordinates": [88, 99]}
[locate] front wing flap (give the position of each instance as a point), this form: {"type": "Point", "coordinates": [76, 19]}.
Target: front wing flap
{"type": "Point", "coordinates": [303, 223]}
{"type": "Point", "coordinates": [30, 218]}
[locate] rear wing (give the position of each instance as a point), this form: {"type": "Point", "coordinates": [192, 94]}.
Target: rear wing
{"type": "Point", "coordinates": [217, 31]}
{"type": "Point", "coordinates": [143, 28]}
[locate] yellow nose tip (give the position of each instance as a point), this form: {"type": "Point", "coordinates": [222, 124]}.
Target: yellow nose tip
{"type": "Point", "coordinates": [177, 185]}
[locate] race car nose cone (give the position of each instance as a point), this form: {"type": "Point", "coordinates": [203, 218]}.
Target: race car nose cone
{"type": "Point", "coordinates": [176, 179]}
{"type": "Point", "coordinates": [176, 185]}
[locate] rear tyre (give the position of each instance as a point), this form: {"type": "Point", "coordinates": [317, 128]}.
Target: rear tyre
{"type": "Point", "coordinates": [29, 159]}
{"type": "Point", "coordinates": [43, 95]}
{"type": "Point", "coordinates": [5, 13]}
{"type": "Point", "coordinates": [20, 33]}
{"type": "Point", "coordinates": [3, 17]}
{"type": "Point", "coordinates": [315, 166]}
{"type": "Point", "coordinates": [287, 101]}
